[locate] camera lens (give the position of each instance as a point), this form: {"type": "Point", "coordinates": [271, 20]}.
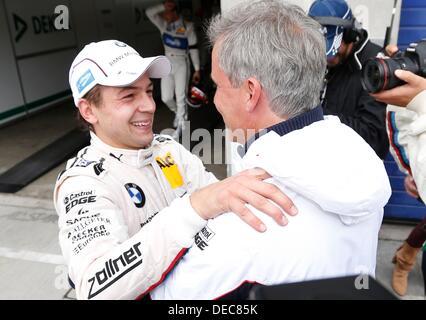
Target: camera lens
{"type": "Point", "coordinates": [379, 74]}
{"type": "Point", "coordinates": [373, 75]}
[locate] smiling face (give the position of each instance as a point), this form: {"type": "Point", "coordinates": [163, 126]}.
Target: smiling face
{"type": "Point", "coordinates": [125, 116]}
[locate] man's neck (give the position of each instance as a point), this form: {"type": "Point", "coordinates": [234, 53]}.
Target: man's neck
{"type": "Point", "coordinates": [288, 125]}
{"type": "Point", "coordinates": [260, 124]}
{"type": "Point", "coordinates": [264, 122]}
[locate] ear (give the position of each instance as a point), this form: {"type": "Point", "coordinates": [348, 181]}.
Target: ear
{"type": "Point", "coordinates": [87, 111]}
{"type": "Point", "coordinates": [253, 91]}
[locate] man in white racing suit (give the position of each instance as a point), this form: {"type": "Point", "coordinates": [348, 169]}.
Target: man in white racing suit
{"type": "Point", "coordinates": [127, 204]}
{"type": "Point", "coordinates": [178, 38]}
{"type": "Point", "coordinates": [337, 181]}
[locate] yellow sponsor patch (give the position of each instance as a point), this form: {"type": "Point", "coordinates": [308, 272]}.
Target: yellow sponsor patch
{"type": "Point", "coordinates": [170, 170]}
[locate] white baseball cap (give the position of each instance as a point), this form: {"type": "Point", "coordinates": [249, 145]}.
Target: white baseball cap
{"type": "Point", "coordinates": [112, 63]}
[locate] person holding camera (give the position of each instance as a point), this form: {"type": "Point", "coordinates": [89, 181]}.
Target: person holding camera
{"type": "Point", "coordinates": [348, 47]}
{"type": "Point", "coordinates": [406, 123]}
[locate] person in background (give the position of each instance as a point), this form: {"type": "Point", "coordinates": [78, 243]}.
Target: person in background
{"type": "Point", "coordinates": [180, 41]}
{"type": "Point", "coordinates": [347, 48]}
{"type": "Point", "coordinates": [406, 123]}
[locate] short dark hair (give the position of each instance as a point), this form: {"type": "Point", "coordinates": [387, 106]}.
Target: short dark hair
{"type": "Point", "coordinates": [94, 97]}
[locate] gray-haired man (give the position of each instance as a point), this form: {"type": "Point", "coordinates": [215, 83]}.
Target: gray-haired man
{"type": "Point", "coordinates": [268, 63]}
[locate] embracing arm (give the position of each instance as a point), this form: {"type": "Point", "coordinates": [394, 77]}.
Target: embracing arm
{"type": "Point", "coordinates": [104, 261]}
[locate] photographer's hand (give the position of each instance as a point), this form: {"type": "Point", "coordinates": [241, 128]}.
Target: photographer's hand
{"type": "Point", "coordinates": [410, 186]}
{"type": "Point", "coordinates": [402, 95]}
{"type": "Point", "coordinates": [391, 50]}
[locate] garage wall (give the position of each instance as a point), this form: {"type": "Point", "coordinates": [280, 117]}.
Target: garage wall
{"type": "Point", "coordinates": [39, 52]}
{"type": "Point", "coordinates": [35, 57]}
{"type": "Point", "coordinates": [10, 92]}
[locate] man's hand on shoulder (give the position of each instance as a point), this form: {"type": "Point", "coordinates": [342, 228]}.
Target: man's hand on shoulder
{"type": "Point", "coordinates": [232, 195]}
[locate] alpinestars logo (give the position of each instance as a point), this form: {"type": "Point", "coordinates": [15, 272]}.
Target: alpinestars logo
{"type": "Point", "coordinates": [115, 269]}
{"type": "Point", "coordinates": [99, 167]}
{"type": "Point", "coordinates": [81, 162]}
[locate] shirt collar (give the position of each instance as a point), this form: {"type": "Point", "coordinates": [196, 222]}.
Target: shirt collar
{"type": "Point", "coordinates": [136, 158]}
{"type": "Point", "coordinates": [298, 122]}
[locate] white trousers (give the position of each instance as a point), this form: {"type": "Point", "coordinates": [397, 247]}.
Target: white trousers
{"type": "Point", "coordinates": [175, 85]}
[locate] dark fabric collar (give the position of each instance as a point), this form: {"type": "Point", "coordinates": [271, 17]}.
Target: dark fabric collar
{"type": "Point", "coordinates": [298, 122]}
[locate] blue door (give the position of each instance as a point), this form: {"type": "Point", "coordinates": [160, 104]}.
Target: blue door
{"type": "Point", "coordinates": [412, 25]}
{"type": "Point", "coordinates": [412, 28]}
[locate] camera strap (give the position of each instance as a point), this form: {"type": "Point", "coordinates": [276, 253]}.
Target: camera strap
{"type": "Point", "coordinates": [361, 47]}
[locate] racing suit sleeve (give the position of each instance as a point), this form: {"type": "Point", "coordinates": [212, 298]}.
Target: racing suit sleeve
{"type": "Point", "coordinates": [369, 122]}
{"type": "Point", "coordinates": [104, 261]}
{"type": "Point", "coordinates": [153, 15]}
{"type": "Point", "coordinates": [193, 48]}
{"type": "Point", "coordinates": [407, 136]}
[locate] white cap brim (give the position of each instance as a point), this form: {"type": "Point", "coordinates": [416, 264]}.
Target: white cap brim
{"type": "Point", "coordinates": [156, 67]}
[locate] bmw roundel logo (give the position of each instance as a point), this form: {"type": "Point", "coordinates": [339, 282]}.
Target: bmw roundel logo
{"type": "Point", "coordinates": [136, 194]}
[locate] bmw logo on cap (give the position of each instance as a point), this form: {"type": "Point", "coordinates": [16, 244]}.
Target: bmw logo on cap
{"type": "Point", "coordinates": [136, 194]}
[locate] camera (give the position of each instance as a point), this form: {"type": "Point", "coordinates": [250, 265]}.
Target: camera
{"type": "Point", "coordinates": [379, 74]}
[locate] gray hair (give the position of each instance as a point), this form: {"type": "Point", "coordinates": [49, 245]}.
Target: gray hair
{"type": "Point", "coordinates": [279, 45]}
